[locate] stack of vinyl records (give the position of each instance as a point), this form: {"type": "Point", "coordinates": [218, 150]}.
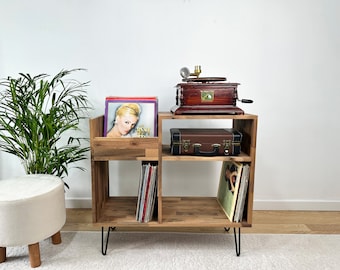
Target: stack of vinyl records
{"type": "Point", "coordinates": [232, 189]}
{"type": "Point", "coordinates": [147, 192]}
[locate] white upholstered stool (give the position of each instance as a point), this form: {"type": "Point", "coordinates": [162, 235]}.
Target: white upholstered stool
{"type": "Point", "coordinates": [32, 208]}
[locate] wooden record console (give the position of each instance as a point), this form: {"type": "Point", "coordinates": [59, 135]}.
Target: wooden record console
{"type": "Point", "coordinates": [173, 211]}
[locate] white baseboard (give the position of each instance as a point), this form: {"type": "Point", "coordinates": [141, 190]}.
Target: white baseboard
{"type": "Point", "coordinates": [258, 205]}
{"type": "Point", "coordinates": [297, 205]}
{"type": "Point", "coordinates": [78, 203]}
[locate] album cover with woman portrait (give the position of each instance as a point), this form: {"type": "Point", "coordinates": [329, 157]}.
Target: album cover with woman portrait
{"type": "Point", "coordinates": [127, 117]}
{"type": "Point", "coordinates": [228, 187]}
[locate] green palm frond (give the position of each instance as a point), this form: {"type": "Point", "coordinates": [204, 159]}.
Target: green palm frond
{"type": "Point", "coordinates": [36, 116]}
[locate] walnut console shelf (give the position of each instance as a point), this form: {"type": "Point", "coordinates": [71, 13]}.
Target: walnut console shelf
{"type": "Point", "coordinates": [120, 211]}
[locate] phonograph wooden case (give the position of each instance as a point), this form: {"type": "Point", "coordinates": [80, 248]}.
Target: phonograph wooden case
{"type": "Point", "coordinates": [206, 95]}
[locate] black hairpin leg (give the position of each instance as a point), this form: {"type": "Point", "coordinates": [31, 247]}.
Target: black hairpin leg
{"type": "Point", "coordinates": [104, 249]}
{"type": "Point", "coordinates": [237, 241]}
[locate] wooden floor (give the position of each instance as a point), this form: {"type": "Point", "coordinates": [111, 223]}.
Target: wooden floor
{"type": "Point", "coordinates": [284, 222]}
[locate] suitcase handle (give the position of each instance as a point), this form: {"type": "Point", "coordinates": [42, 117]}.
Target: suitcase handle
{"type": "Point", "coordinates": [214, 152]}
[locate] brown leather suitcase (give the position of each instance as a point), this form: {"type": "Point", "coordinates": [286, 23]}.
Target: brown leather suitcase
{"type": "Point", "coordinates": [205, 142]}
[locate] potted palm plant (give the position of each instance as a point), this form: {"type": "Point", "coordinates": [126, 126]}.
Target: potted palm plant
{"type": "Point", "coordinates": [38, 119]}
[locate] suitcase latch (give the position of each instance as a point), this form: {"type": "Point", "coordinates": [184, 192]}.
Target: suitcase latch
{"type": "Point", "coordinates": [226, 145]}
{"type": "Point", "coordinates": [186, 145]}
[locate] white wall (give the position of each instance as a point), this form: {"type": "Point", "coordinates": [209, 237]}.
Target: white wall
{"type": "Point", "coordinates": [285, 54]}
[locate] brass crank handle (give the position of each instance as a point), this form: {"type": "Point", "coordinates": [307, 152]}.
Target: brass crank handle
{"type": "Point", "coordinates": [246, 100]}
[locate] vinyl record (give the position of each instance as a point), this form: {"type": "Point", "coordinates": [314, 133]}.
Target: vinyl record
{"type": "Point", "coordinates": [206, 79]}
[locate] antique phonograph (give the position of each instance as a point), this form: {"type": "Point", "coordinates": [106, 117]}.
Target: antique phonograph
{"type": "Point", "coordinates": [206, 95]}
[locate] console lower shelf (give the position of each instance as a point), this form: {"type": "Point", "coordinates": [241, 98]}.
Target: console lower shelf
{"type": "Point", "coordinates": [177, 212]}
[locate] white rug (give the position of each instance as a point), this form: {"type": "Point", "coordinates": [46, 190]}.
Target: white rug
{"type": "Point", "coordinates": [82, 250]}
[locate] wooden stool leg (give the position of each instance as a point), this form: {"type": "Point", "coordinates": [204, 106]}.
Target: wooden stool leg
{"type": "Point", "coordinates": [56, 238]}
{"type": "Point", "coordinates": [2, 254]}
{"type": "Point", "coordinates": [34, 252]}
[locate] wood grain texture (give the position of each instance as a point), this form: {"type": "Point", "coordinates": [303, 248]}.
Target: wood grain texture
{"type": "Point", "coordinates": [275, 222]}
{"type": "Point", "coordinates": [175, 211]}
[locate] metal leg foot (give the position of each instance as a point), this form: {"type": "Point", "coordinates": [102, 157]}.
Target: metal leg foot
{"type": "Point", "coordinates": [104, 249]}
